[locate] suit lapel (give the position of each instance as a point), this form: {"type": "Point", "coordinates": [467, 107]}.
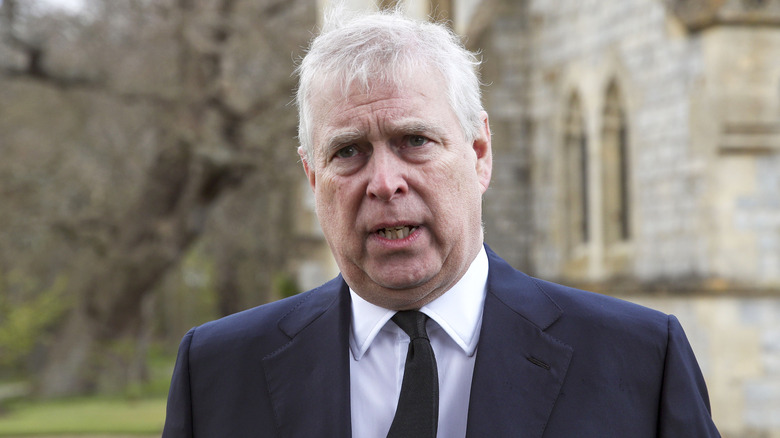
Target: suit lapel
{"type": "Point", "coordinates": [308, 378]}
{"type": "Point", "coordinates": [518, 373]}
{"type": "Point", "coordinates": [519, 368]}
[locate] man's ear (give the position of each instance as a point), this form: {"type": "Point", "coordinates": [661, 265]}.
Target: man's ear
{"type": "Point", "coordinates": [309, 170]}
{"type": "Point", "coordinates": [483, 149]}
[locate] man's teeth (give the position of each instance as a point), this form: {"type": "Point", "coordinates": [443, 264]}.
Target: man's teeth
{"type": "Point", "coordinates": [396, 232]}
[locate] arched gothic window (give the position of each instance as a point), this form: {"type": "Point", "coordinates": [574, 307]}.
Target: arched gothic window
{"type": "Point", "coordinates": [575, 155]}
{"type": "Point", "coordinates": [615, 170]}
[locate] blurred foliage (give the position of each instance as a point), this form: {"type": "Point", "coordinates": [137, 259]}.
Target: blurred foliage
{"type": "Point", "coordinates": [285, 285]}
{"type": "Point", "coordinates": [187, 296]}
{"type": "Point", "coordinates": [27, 310]}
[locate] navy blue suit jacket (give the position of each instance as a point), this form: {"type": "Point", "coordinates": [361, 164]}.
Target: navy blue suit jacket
{"type": "Point", "coordinates": [551, 362]}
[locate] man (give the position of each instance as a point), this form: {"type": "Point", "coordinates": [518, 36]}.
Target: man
{"type": "Point", "coordinates": [396, 147]}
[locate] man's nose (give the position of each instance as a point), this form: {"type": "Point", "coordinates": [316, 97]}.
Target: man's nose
{"type": "Point", "coordinates": [386, 175]}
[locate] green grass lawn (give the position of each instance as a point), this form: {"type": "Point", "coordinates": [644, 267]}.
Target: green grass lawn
{"type": "Point", "coordinates": [88, 416]}
{"type": "Point", "coordinates": [138, 412]}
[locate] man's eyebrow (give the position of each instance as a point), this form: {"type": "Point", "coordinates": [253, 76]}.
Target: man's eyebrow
{"type": "Point", "coordinates": [341, 138]}
{"type": "Point", "coordinates": [403, 127]}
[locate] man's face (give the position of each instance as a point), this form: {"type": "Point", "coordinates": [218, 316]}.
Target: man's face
{"type": "Point", "coordinates": [398, 189]}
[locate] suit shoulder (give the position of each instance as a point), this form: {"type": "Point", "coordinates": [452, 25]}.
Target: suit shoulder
{"type": "Point", "coordinates": [545, 303]}
{"type": "Point", "coordinates": [603, 310]}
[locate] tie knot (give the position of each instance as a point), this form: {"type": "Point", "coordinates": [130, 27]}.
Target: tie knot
{"type": "Point", "coordinates": [412, 322]}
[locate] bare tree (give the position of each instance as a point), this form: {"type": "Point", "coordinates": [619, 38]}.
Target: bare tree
{"type": "Point", "coordinates": [208, 71]}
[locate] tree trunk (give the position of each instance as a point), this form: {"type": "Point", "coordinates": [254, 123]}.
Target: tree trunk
{"type": "Point", "coordinates": [227, 282]}
{"type": "Point", "coordinates": [108, 317]}
{"type": "Point", "coordinates": [66, 373]}
{"type": "Point", "coordinates": [158, 228]}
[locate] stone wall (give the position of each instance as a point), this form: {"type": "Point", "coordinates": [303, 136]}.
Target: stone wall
{"type": "Point", "coordinates": [737, 344]}
{"type": "Point", "coordinates": [580, 47]}
{"type": "Point", "coordinates": [703, 121]}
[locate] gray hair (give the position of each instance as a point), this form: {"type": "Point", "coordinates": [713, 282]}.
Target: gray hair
{"type": "Point", "coordinates": [387, 47]}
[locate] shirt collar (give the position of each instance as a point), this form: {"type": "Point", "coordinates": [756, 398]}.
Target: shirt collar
{"type": "Point", "coordinates": [458, 311]}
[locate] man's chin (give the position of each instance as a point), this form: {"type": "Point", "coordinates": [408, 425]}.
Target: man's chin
{"type": "Point", "coordinates": [401, 269]}
{"type": "Point", "coordinates": [400, 283]}
{"type": "Point", "coordinates": [402, 295]}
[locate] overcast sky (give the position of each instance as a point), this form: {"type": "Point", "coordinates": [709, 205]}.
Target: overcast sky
{"type": "Point", "coordinates": [68, 5]}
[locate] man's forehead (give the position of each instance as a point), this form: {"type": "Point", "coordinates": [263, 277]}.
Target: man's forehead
{"type": "Point", "coordinates": [342, 86]}
{"type": "Point", "coordinates": [390, 126]}
{"type": "Point", "coordinates": [390, 105]}
{"type": "Point", "coordinates": [356, 115]}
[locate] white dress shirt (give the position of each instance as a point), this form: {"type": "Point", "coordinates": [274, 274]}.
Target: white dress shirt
{"type": "Point", "coordinates": [378, 349]}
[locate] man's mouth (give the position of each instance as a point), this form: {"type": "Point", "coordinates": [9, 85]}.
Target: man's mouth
{"type": "Point", "coordinates": [394, 233]}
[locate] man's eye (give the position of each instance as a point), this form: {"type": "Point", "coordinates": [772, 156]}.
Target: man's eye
{"type": "Point", "coordinates": [417, 140]}
{"type": "Point", "coordinates": [347, 152]}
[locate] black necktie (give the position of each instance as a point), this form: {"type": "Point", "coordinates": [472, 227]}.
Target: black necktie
{"type": "Point", "coordinates": [417, 414]}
